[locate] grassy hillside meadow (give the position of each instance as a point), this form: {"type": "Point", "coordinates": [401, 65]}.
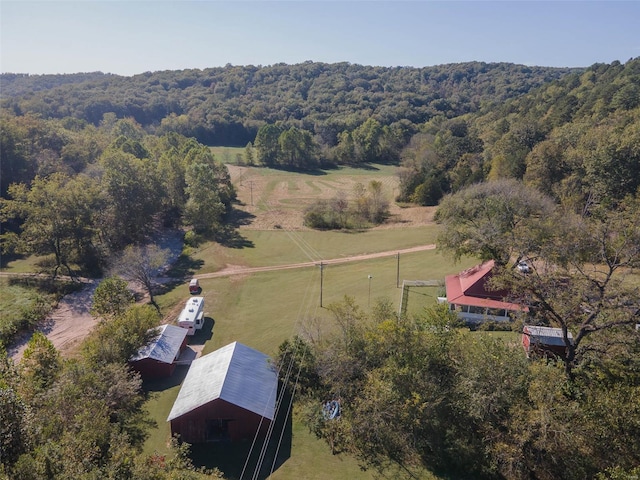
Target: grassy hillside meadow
{"type": "Point", "coordinates": [264, 309]}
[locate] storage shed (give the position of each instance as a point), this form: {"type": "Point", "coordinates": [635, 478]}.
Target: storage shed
{"type": "Point", "coordinates": [544, 341]}
{"type": "Point", "coordinates": [157, 358]}
{"type": "Point", "coordinates": [227, 395]}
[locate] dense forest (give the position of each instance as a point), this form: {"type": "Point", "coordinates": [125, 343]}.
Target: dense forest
{"type": "Point", "coordinates": [227, 106]}
{"type": "Point", "coordinates": [449, 126]}
{"type": "Point", "coordinates": [523, 162]}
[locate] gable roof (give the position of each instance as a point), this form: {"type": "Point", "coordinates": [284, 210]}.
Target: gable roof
{"type": "Point", "coordinates": [165, 346]}
{"type": "Point", "coordinates": [468, 288]}
{"type": "Point", "coordinates": [235, 373]}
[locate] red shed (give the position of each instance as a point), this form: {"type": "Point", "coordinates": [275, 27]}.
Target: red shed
{"type": "Point", "coordinates": [544, 341]}
{"type": "Point", "coordinates": [228, 394]}
{"type": "Point", "coordinates": [157, 358]}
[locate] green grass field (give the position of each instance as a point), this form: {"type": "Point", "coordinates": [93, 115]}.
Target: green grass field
{"type": "Point", "coordinates": [262, 310]}
{"type": "Point", "coordinates": [227, 154]}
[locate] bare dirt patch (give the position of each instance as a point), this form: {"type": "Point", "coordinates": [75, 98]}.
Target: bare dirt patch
{"type": "Point", "coordinates": [67, 324]}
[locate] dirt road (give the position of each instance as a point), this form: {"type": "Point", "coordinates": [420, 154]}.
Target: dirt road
{"type": "Point", "coordinates": [235, 270]}
{"type": "Point", "coordinates": [71, 322]}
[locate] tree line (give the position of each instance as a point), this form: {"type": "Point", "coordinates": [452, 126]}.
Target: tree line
{"type": "Point", "coordinates": [569, 132]}
{"type": "Point", "coordinates": [574, 139]}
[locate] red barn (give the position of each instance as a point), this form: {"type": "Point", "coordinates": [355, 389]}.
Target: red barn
{"type": "Point", "coordinates": [229, 394]}
{"type": "Point", "coordinates": [157, 358]}
{"type": "Point", "coordinates": [544, 341]}
{"type": "Point", "coordinates": [469, 295]}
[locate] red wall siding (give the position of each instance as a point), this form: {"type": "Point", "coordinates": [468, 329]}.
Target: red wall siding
{"type": "Point", "coordinates": [150, 368]}
{"type": "Point", "coordinates": [243, 424]}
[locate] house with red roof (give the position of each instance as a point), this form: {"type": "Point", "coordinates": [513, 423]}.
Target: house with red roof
{"type": "Point", "coordinates": [468, 293]}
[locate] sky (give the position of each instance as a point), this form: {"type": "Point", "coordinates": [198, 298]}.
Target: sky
{"type": "Point", "coordinates": [131, 37]}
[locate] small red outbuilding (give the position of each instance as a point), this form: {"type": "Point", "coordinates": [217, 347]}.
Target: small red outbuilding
{"type": "Point", "coordinates": [157, 358]}
{"type": "Point", "coordinates": [545, 341]}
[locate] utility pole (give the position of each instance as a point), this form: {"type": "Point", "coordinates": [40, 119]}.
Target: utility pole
{"type": "Point", "coordinates": [321, 281]}
{"type": "Point", "coordinates": [398, 270]}
{"type": "Point", "coordinates": [251, 187]}
{"type": "Point", "coordinates": [369, 277]}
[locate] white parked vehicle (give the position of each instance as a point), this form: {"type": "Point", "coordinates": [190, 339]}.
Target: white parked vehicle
{"type": "Point", "coordinates": [523, 267]}
{"type": "Point", "coordinates": [192, 316]}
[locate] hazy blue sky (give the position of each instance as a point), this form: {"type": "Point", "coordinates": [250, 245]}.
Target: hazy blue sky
{"type": "Point", "coordinates": [129, 37]}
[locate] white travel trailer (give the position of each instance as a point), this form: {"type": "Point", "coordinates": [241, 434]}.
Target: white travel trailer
{"type": "Point", "coordinates": [192, 316]}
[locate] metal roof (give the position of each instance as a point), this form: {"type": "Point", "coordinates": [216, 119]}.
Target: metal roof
{"type": "Point", "coordinates": [468, 288]}
{"type": "Point", "coordinates": [165, 347]}
{"type": "Point", "coordinates": [546, 335]}
{"type": "Point", "coordinates": [235, 373]}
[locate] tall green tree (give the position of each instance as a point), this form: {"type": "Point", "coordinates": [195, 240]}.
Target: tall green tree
{"type": "Point", "coordinates": [133, 192]}
{"type": "Point", "coordinates": [494, 221]}
{"type": "Point", "coordinates": [267, 144]}
{"type": "Point", "coordinates": [111, 298]}
{"type": "Point", "coordinates": [117, 340]}
{"type": "Point", "coordinates": [366, 139]}
{"type": "Point", "coordinates": [58, 218]}
{"type": "Point", "coordinates": [297, 148]}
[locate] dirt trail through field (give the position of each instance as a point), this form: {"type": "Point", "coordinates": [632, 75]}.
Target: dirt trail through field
{"type": "Point", "coordinates": [71, 322]}
{"type": "Point", "coordinates": [235, 270]}
{"type": "Point", "coordinates": [274, 203]}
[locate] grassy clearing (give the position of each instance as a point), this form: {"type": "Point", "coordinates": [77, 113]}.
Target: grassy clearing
{"type": "Point", "coordinates": [227, 154]}
{"type": "Point", "coordinates": [278, 247]}
{"type": "Point", "coordinates": [264, 309]}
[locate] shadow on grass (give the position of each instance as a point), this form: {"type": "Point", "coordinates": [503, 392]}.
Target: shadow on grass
{"type": "Point", "coordinates": [7, 258]}
{"type": "Point", "coordinates": [239, 217]}
{"type": "Point", "coordinates": [248, 459]}
{"type": "Point", "coordinates": [162, 384]}
{"type": "Point", "coordinates": [47, 285]}
{"type": "Point", "coordinates": [202, 336]}
{"type": "Point", "coordinates": [184, 267]}
{"type": "Point", "coordinates": [230, 237]}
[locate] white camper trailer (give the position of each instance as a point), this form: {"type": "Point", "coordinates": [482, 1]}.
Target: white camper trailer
{"type": "Point", "coordinates": [192, 316]}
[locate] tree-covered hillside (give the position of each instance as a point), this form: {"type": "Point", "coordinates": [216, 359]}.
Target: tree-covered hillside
{"type": "Point", "coordinates": [574, 138]}
{"type": "Point", "coordinates": [227, 105]}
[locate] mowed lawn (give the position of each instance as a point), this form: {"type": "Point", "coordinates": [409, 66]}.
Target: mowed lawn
{"type": "Point", "coordinates": [264, 309]}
